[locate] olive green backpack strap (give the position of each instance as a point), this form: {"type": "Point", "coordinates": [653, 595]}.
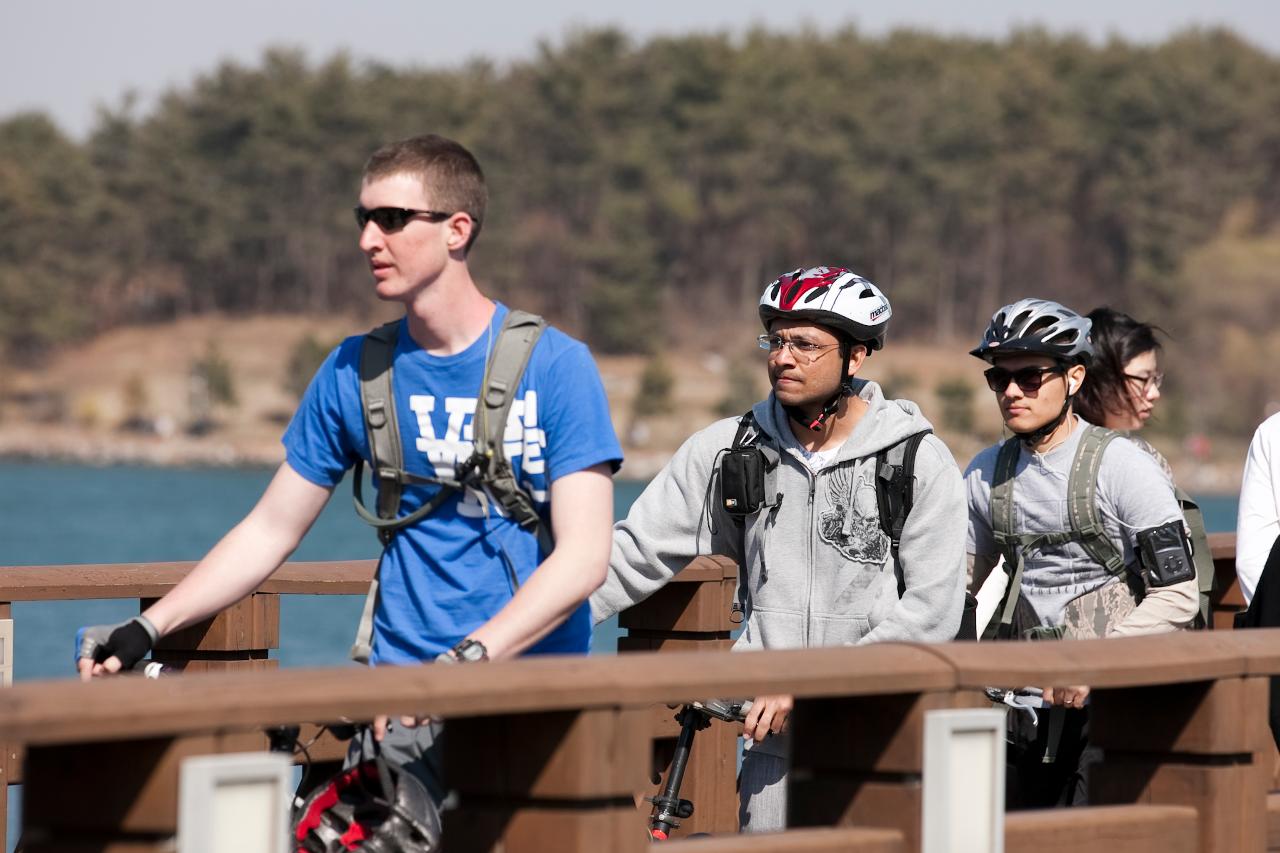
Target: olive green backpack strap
{"type": "Point", "coordinates": [520, 333]}
{"type": "Point", "coordinates": [1002, 529]}
{"type": "Point", "coordinates": [1193, 518]}
{"type": "Point", "coordinates": [1082, 499]}
{"type": "Point", "coordinates": [386, 459]}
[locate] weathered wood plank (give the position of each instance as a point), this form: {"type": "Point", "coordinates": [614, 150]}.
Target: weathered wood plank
{"type": "Point", "coordinates": [1115, 829]}
{"type": "Point", "coordinates": [844, 839]}
{"type": "Point", "coordinates": [67, 711]}
{"type": "Point", "coordinates": [1140, 661]}
{"type": "Point", "coordinates": [152, 580]}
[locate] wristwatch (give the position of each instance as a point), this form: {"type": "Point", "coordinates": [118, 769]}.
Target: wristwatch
{"type": "Point", "coordinates": [467, 651]}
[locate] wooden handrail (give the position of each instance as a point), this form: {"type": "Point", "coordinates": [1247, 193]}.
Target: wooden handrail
{"type": "Point", "coordinates": [69, 712]}
{"type": "Point", "coordinates": [152, 580]}
{"type": "Point", "coordinates": [37, 712]}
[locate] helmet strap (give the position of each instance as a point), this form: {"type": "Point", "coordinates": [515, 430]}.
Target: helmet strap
{"type": "Point", "coordinates": [833, 402]}
{"type": "Point", "coordinates": [1030, 439]}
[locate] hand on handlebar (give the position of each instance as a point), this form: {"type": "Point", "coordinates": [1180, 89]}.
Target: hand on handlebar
{"type": "Point", "coordinates": [768, 715]}
{"type": "Point", "coordinates": [108, 649]}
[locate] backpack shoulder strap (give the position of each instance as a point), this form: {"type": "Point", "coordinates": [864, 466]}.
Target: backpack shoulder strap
{"type": "Point", "coordinates": [1193, 517]}
{"type": "Point", "coordinates": [381, 425]}
{"type": "Point", "coordinates": [748, 433]}
{"type": "Point", "coordinates": [1082, 499]}
{"type": "Point", "coordinates": [511, 351]}
{"type": "Point", "coordinates": [377, 403]}
{"type": "Point", "coordinates": [895, 492]}
{"type": "Point", "coordinates": [1007, 541]}
{"type": "Point", "coordinates": [1002, 523]}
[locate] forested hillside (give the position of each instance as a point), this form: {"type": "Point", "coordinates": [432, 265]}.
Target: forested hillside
{"type": "Point", "coordinates": [643, 192]}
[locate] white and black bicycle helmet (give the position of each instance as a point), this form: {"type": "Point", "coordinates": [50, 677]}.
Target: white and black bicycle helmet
{"type": "Point", "coordinates": [1037, 326]}
{"type": "Point", "coordinates": [833, 296]}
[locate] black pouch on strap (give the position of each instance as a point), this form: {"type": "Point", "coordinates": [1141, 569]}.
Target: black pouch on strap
{"type": "Point", "coordinates": [742, 474]}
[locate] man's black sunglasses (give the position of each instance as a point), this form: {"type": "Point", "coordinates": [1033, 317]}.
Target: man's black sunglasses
{"type": "Point", "coordinates": [1026, 378]}
{"type": "Point", "coordinates": [391, 219]}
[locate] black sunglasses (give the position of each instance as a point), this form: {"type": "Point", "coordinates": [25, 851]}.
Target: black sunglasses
{"type": "Point", "coordinates": [390, 219]}
{"type": "Point", "coordinates": [1026, 378]}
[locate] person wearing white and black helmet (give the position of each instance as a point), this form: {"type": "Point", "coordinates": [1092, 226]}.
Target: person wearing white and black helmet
{"type": "Point", "coordinates": [792, 491]}
{"type": "Point", "coordinates": [1084, 524]}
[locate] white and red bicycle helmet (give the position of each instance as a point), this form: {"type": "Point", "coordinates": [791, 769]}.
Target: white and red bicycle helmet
{"type": "Point", "coordinates": [832, 296]}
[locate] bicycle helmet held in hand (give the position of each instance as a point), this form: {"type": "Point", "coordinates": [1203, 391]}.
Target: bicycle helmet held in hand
{"type": "Point", "coordinates": [371, 807]}
{"type": "Point", "coordinates": [1038, 327]}
{"type": "Point", "coordinates": [831, 296]}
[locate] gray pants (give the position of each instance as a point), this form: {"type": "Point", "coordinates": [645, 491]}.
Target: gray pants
{"type": "Point", "coordinates": [419, 751]}
{"type": "Point", "coordinates": [762, 789]}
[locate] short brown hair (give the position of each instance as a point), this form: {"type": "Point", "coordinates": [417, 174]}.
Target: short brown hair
{"type": "Point", "coordinates": [449, 173]}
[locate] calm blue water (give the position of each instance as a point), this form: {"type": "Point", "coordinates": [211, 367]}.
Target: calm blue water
{"type": "Point", "coordinates": [63, 514]}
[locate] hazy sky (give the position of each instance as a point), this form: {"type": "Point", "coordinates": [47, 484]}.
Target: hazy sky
{"type": "Point", "coordinates": [70, 57]}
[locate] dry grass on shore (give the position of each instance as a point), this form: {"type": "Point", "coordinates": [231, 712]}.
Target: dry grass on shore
{"type": "Point", "coordinates": [80, 406]}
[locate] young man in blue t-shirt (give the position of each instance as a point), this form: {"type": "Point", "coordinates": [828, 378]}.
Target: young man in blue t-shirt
{"type": "Point", "coordinates": [466, 577]}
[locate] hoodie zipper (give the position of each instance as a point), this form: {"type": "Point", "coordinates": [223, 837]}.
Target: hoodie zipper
{"type": "Point", "coordinates": [808, 575]}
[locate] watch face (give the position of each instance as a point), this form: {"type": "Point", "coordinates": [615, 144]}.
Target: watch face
{"type": "Point", "coordinates": [471, 651]}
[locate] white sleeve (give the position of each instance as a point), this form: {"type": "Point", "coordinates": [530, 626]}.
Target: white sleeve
{"type": "Point", "coordinates": [1258, 523]}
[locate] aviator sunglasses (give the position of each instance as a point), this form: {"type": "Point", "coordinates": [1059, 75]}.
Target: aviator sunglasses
{"type": "Point", "coordinates": [390, 219]}
{"type": "Point", "coordinates": [1026, 378]}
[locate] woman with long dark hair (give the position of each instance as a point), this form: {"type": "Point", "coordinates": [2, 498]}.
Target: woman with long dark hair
{"type": "Point", "coordinates": [1124, 378]}
{"type": "Point", "coordinates": [1122, 386]}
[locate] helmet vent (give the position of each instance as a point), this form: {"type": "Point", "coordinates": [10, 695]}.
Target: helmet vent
{"type": "Point", "coordinates": [1064, 338]}
{"type": "Point", "coordinates": [866, 293]}
{"type": "Point", "coordinates": [816, 293]}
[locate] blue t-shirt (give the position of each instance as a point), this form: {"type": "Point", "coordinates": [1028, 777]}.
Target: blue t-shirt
{"type": "Point", "coordinates": [452, 571]}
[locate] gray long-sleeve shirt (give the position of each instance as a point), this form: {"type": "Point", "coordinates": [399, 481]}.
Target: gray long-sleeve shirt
{"type": "Point", "coordinates": [1133, 494]}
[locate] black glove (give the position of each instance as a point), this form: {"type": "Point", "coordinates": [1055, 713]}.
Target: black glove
{"type": "Point", "coordinates": [129, 641]}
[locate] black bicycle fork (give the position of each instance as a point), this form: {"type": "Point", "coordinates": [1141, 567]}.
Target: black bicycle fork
{"type": "Point", "coordinates": [668, 808]}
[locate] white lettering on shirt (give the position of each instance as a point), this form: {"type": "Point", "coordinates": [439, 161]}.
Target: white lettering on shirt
{"type": "Point", "coordinates": [522, 441]}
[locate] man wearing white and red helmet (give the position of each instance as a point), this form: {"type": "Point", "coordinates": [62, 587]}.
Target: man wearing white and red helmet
{"type": "Point", "coordinates": [817, 567]}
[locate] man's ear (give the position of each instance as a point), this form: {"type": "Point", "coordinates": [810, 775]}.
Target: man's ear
{"type": "Point", "coordinates": [458, 230]}
{"type": "Point", "coordinates": [857, 355]}
{"type": "Point", "coordinates": [1075, 378]}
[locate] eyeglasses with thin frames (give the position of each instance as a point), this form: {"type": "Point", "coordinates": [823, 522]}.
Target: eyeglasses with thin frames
{"type": "Point", "coordinates": [804, 351]}
{"type": "Point", "coordinates": [392, 219]}
{"type": "Point", "coordinates": [1144, 385]}
{"type": "Point", "coordinates": [1027, 378]}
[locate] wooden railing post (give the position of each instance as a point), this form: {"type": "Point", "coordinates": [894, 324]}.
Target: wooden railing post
{"type": "Point", "coordinates": [239, 637]}
{"type": "Point", "coordinates": [557, 782]}
{"type": "Point", "coordinates": [692, 613]}
{"type": "Point", "coordinates": [1228, 598]}
{"type": "Point", "coordinates": [1196, 744]}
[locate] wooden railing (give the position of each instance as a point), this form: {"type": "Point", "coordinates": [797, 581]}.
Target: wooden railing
{"type": "Point", "coordinates": [549, 754]}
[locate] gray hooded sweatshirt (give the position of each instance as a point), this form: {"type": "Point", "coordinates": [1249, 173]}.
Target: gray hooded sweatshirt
{"type": "Point", "coordinates": [817, 566]}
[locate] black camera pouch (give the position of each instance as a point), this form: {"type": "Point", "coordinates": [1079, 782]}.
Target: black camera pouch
{"type": "Point", "coordinates": [1165, 554]}
{"type": "Point", "coordinates": [742, 473]}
